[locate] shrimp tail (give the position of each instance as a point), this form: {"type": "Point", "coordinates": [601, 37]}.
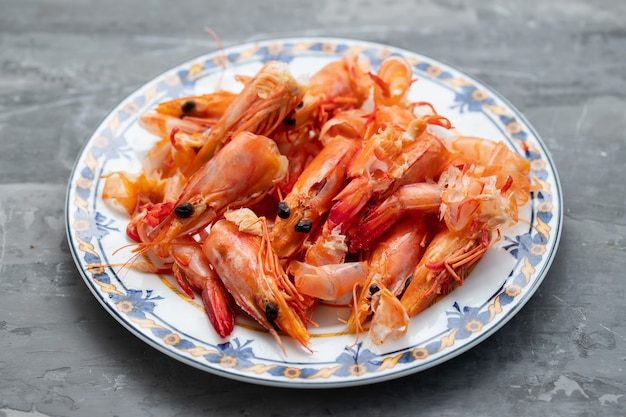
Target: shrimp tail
{"type": "Point", "coordinates": [193, 273]}
{"type": "Point", "coordinates": [219, 307]}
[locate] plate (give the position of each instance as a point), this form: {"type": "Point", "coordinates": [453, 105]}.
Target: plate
{"type": "Point", "coordinates": [152, 307]}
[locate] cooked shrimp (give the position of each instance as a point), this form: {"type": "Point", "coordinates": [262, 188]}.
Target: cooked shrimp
{"type": "Point", "coordinates": [264, 103]}
{"type": "Point", "coordinates": [252, 274]}
{"type": "Point", "coordinates": [443, 266]}
{"type": "Point", "coordinates": [422, 198]}
{"type": "Point", "coordinates": [340, 85]}
{"type": "Point", "coordinates": [311, 196]}
{"type": "Point", "coordinates": [382, 163]}
{"type": "Point", "coordinates": [254, 164]}
{"type": "Point", "coordinates": [284, 194]}
{"type": "Point", "coordinates": [391, 263]}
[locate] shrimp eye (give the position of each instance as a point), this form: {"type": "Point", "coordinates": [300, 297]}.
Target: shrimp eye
{"type": "Point", "coordinates": [271, 312]}
{"type": "Point", "coordinates": [300, 105]}
{"type": "Point", "coordinates": [374, 288]}
{"type": "Point", "coordinates": [288, 121]}
{"type": "Point", "coordinates": [188, 106]}
{"type": "Point", "coordinates": [283, 210]}
{"type": "Point", "coordinates": [304, 226]}
{"type": "Point", "coordinates": [183, 210]}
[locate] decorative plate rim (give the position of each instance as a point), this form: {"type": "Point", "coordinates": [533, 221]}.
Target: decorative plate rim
{"type": "Point", "coordinates": [105, 292]}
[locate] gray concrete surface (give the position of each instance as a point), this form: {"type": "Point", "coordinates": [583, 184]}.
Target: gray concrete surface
{"type": "Point", "coordinates": [65, 63]}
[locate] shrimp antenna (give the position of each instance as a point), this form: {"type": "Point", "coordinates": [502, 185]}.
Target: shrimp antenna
{"type": "Point", "coordinates": [223, 61]}
{"type": "Point", "coordinates": [145, 264]}
{"type": "Point", "coordinates": [355, 313]}
{"type": "Point", "coordinates": [217, 39]}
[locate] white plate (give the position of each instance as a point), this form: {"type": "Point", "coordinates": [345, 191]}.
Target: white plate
{"type": "Point", "coordinates": [152, 308]}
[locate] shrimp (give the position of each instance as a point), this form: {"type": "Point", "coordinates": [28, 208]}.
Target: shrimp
{"type": "Point", "coordinates": [255, 166]}
{"type": "Point", "coordinates": [264, 103]}
{"type": "Point", "coordinates": [485, 185]}
{"type": "Point", "coordinates": [391, 263]}
{"type": "Point", "coordinates": [194, 273]}
{"type": "Point", "coordinates": [466, 197]}
{"type": "Point", "coordinates": [470, 201]}
{"type": "Point", "coordinates": [421, 197]}
{"type": "Point", "coordinates": [443, 266]}
{"type": "Point", "coordinates": [393, 258]}
{"type": "Point", "coordinates": [252, 274]}
{"type": "Point", "coordinates": [376, 171]}
{"type": "Point", "coordinates": [311, 196]}
{"type": "Point", "coordinates": [349, 188]}
{"type": "Point", "coordinates": [182, 124]}
{"type": "Point", "coordinates": [385, 161]}
{"type": "Point", "coordinates": [340, 85]}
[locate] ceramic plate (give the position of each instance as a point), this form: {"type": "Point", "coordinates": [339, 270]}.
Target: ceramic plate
{"type": "Point", "coordinates": [152, 307]}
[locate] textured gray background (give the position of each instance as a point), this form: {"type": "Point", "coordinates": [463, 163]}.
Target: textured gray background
{"type": "Point", "coordinates": [64, 64]}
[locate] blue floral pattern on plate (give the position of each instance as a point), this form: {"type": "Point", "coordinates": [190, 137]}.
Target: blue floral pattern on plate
{"type": "Point", "coordinates": [145, 306]}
